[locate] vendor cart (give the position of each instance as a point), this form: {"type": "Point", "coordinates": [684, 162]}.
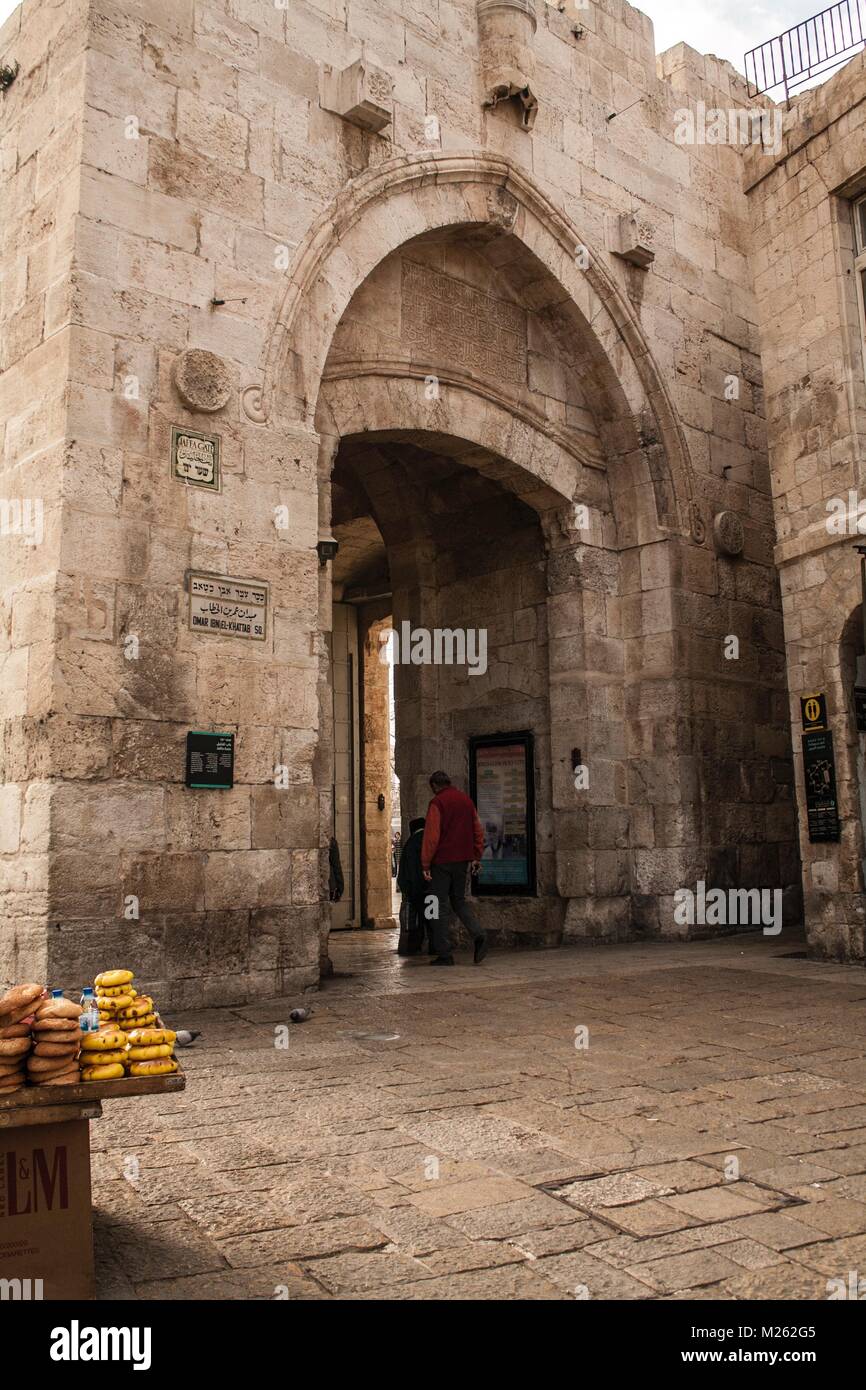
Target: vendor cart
{"type": "Point", "coordinates": [46, 1215]}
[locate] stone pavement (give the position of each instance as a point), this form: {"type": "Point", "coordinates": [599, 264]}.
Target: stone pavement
{"type": "Point", "coordinates": [436, 1133]}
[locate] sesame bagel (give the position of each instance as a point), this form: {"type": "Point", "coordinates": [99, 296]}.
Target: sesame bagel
{"type": "Point", "coordinates": [103, 1059]}
{"type": "Point", "coordinates": [164, 1066]}
{"type": "Point", "coordinates": [47, 1065]}
{"type": "Point", "coordinates": [23, 1015]}
{"type": "Point", "coordinates": [113, 978]}
{"type": "Point", "coordinates": [58, 1008]}
{"type": "Point", "coordinates": [150, 1037]}
{"type": "Point", "coordinates": [149, 1054]}
{"type": "Point", "coordinates": [106, 1040]}
{"type": "Point", "coordinates": [136, 1008]}
{"type": "Point", "coordinates": [20, 996]}
{"type": "Point", "coordinates": [15, 1030]}
{"type": "Point", "coordinates": [66, 1078]}
{"type": "Point", "coordinates": [112, 1072]}
{"type": "Point", "coordinates": [14, 1047]}
{"type": "Point", "coordinates": [57, 1025]}
{"type": "Point", "coordinates": [64, 1049]}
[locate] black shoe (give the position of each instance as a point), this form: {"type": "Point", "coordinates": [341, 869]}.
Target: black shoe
{"type": "Point", "coordinates": [442, 960]}
{"type": "Point", "coordinates": [481, 949]}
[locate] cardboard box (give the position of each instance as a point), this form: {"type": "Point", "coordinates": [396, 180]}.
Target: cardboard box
{"type": "Point", "coordinates": [46, 1233]}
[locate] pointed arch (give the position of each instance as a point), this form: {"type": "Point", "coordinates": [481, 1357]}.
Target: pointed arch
{"type": "Point", "coordinates": [409, 196]}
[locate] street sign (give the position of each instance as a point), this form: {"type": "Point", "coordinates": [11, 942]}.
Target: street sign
{"type": "Point", "coordinates": [813, 709]}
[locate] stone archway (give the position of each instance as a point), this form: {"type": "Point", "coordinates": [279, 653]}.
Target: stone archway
{"type": "Point", "coordinates": [621, 681]}
{"type": "Point", "coordinates": [388, 206]}
{"type": "Point", "coordinates": [463, 552]}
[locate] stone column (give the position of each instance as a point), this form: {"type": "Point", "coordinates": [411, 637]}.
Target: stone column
{"type": "Point", "coordinates": [587, 718]}
{"type": "Point", "coordinates": [375, 769]}
{"type": "Point", "coordinates": [506, 29]}
{"type": "Point", "coordinates": [413, 596]}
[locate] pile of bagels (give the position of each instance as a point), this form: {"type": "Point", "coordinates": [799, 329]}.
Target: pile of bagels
{"type": "Point", "coordinates": [120, 1003]}
{"type": "Point", "coordinates": [40, 1039]}
{"type": "Point", "coordinates": [131, 1040]}
{"type": "Point", "coordinates": [113, 1053]}
{"type": "Point", "coordinates": [41, 1042]}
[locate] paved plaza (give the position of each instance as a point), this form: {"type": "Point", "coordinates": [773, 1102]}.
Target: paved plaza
{"type": "Point", "coordinates": [629, 1122]}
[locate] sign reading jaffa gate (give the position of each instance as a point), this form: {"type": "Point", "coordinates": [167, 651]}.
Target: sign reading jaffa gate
{"type": "Point", "coordinates": [195, 458]}
{"type": "Point", "coordinates": [227, 607]}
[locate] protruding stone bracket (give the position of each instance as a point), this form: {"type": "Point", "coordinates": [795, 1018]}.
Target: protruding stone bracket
{"type": "Point", "coordinates": [362, 94]}
{"type": "Point", "coordinates": [513, 86]}
{"type": "Point", "coordinates": [631, 238]}
{"type": "Point", "coordinates": [506, 30]}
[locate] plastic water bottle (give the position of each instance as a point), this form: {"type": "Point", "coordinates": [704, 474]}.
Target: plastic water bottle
{"type": "Point", "coordinates": [89, 1020]}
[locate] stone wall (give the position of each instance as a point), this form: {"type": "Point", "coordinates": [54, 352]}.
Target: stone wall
{"type": "Point", "coordinates": [803, 257]}
{"type": "Point", "coordinates": [214, 202]}
{"type": "Point", "coordinates": [41, 363]}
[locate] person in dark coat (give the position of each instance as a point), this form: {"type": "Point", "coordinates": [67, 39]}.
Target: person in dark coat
{"type": "Point", "coordinates": [411, 883]}
{"type": "Point", "coordinates": [336, 884]}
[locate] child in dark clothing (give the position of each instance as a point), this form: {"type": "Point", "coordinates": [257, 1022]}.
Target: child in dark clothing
{"type": "Point", "coordinates": [412, 885]}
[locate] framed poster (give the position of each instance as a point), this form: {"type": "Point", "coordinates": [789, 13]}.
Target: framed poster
{"type": "Point", "coordinates": [502, 785]}
{"type": "Point", "coordinates": [210, 760]}
{"type": "Point", "coordinates": [819, 776]}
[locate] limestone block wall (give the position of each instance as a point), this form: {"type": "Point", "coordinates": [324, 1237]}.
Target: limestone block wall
{"type": "Point", "coordinates": [201, 156]}
{"type": "Point", "coordinates": [41, 133]}
{"type": "Point", "coordinates": [803, 255]}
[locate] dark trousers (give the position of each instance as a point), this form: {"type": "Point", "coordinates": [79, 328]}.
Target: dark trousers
{"type": "Point", "coordinates": [450, 884]}
{"type": "Point", "coordinates": [411, 928]}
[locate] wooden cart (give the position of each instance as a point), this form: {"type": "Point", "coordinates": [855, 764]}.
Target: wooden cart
{"type": "Point", "coordinates": [46, 1214]}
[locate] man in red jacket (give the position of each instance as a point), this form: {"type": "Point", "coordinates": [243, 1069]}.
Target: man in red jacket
{"type": "Point", "coordinates": [453, 840]}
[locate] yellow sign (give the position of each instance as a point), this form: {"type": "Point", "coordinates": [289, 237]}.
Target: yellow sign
{"type": "Point", "coordinates": [813, 709]}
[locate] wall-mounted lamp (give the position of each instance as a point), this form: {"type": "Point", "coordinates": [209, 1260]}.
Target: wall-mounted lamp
{"type": "Point", "coordinates": [326, 550]}
{"type": "Point", "coordinates": [380, 801]}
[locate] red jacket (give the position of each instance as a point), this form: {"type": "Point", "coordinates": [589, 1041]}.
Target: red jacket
{"type": "Point", "coordinates": [452, 832]}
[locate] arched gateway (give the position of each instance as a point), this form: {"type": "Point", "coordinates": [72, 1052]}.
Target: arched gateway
{"type": "Point", "coordinates": [505, 461]}
{"type": "Point", "coordinates": [263, 326]}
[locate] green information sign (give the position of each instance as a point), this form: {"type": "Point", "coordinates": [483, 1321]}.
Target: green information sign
{"type": "Point", "coordinates": [210, 760]}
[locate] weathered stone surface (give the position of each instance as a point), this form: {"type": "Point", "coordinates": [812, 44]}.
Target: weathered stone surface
{"type": "Point", "coordinates": [332, 1196]}
{"type": "Point", "coordinates": [203, 380]}
{"type": "Point", "coordinates": [505, 437]}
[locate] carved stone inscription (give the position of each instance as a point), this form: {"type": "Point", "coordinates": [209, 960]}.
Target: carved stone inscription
{"type": "Point", "coordinates": [466, 325]}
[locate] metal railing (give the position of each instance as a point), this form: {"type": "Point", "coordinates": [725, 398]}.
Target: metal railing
{"type": "Point", "coordinates": [808, 50]}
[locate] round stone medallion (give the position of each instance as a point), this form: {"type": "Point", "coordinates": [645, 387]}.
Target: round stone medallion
{"type": "Point", "coordinates": [728, 531]}
{"type": "Point", "coordinates": [202, 380]}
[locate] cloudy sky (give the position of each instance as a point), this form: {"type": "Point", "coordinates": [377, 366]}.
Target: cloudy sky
{"type": "Point", "coordinates": [727, 30]}
{"type": "Point", "coordinates": [708, 25]}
